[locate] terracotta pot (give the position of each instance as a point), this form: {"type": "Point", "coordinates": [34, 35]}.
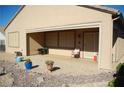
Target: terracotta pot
{"type": "Point", "coordinates": [50, 67]}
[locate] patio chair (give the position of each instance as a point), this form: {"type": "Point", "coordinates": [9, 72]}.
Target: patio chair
{"type": "Point", "coordinates": [76, 53]}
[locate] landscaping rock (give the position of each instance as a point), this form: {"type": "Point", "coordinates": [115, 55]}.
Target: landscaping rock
{"type": "Point", "coordinates": [65, 85]}
{"type": "Point", "coordinates": [17, 77]}
{"type": "Point", "coordinates": [40, 79]}
{"type": "Point", "coordinates": [6, 80]}
{"type": "Point", "coordinates": [2, 70]}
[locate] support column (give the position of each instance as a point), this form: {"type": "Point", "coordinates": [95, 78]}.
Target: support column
{"type": "Point", "coordinates": [105, 44]}
{"type": "Point", "coordinates": [23, 41]}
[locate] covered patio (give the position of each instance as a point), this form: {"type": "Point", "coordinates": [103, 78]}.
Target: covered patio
{"type": "Point", "coordinates": [63, 42]}
{"type": "Point", "coordinates": [60, 44]}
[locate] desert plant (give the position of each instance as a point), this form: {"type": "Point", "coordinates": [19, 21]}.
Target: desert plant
{"type": "Point", "coordinates": [28, 60]}
{"type": "Point", "coordinates": [119, 67]}
{"type": "Point", "coordinates": [49, 62]}
{"type": "Point", "coordinates": [111, 83]}
{"type": "Point", "coordinates": [118, 80]}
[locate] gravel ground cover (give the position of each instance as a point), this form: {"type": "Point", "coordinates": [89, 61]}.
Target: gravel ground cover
{"type": "Point", "coordinates": [32, 79]}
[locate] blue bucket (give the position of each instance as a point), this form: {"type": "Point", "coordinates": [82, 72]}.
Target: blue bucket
{"type": "Point", "coordinates": [28, 65]}
{"type": "Point", "coordinates": [18, 59]}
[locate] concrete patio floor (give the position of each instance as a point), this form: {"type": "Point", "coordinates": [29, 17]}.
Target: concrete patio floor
{"type": "Point", "coordinates": [67, 65]}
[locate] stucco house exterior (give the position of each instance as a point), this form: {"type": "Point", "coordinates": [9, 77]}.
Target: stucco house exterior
{"type": "Point", "coordinates": [2, 39]}
{"type": "Point", "coordinates": [95, 30]}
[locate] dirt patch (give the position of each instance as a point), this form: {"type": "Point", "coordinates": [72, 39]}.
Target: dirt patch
{"type": "Point", "coordinates": [21, 78]}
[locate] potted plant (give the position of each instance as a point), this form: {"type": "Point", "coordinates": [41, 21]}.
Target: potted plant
{"type": "Point", "coordinates": [49, 64]}
{"type": "Point", "coordinates": [28, 64]}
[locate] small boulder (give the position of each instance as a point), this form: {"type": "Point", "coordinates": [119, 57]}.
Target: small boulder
{"type": "Point", "coordinates": [65, 85]}
{"type": "Point", "coordinates": [40, 79]}
{"type": "Point", "coordinates": [2, 70]}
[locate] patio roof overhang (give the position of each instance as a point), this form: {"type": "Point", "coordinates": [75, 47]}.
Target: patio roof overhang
{"type": "Point", "coordinates": [65, 27]}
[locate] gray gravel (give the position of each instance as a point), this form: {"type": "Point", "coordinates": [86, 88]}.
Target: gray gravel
{"type": "Point", "coordinates": [31, 79]}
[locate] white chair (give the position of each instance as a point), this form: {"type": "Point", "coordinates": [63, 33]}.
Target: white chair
{"type": "Point", "coordinates": [76, 53]}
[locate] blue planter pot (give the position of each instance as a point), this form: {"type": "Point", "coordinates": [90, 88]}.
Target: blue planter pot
{"type": "Point", "coordinates": [28, 65]}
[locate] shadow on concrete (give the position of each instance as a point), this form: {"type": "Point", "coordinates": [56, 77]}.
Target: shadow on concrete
{"type": "Point", "coordinates": [35, 66]}
{"type": "Point", "coordinates": [55, 68]}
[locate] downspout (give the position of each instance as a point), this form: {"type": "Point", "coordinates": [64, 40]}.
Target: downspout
{"type": "Point", "coordinates": [116, 18]}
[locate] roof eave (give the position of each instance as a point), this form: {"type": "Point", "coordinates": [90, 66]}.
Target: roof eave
{"type": "Point", "coordinates": [102, 9]}
{"type": "Point", "coordinates": [20, 9]}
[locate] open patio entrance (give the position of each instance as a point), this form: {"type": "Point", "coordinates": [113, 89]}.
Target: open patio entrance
{"type": "Point", "coordinates": [63, 42]}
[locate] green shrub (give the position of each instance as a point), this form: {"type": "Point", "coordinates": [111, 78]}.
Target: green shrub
{"type": "Point", "coordinates": [28, 60]}
{"type": "Point", "coordinates": [111, 83]}
{"type": "Point", "coordinates": [118, 77]}
{"type": "Point", "coordinates": [119, 66]}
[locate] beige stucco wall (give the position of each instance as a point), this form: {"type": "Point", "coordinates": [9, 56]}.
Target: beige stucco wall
{"type": "Point", "coordinates": [120, 45]}
{"type": "Point", "coordinates": [119, 48]}
{"type": "Point", "coordinates": [114, 45]}
{"type": "Point", "coordinates": [62, 52]}
{"type": "Point", "coordinates": [105, 44]}
{"type": "Point", "coordinates": [46, 16]}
